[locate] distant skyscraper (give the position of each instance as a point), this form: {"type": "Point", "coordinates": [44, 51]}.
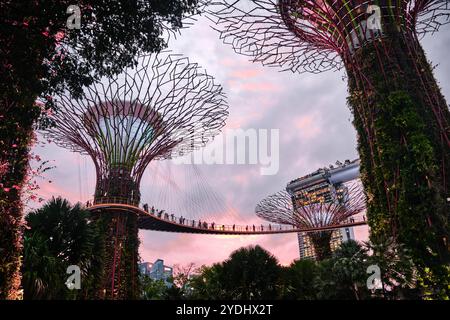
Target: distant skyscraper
{"type": "Point", "coordinates": [323, 185]}
{"type": "Point", "coordinates": [157, 271]}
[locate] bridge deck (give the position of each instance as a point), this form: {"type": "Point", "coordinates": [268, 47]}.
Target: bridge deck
{"type": "Point", "coordinates": [148, 221]}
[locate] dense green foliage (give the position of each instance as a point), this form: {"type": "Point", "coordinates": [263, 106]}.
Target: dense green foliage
{"type": "Point", "coordinates": [342, 276]}
{"type": "Point", "coordinates": [119, 262]}
{"type": "Point", "coordinates": [249, 273]}
{"type": "Point", "coordinates": [321, 242]}
{"type": "Point", "coordinates": [298, 280]}
{"type": "Point", "coordinates": [59, 235]}
{"type": "Point", "coordinates": [152, 289]}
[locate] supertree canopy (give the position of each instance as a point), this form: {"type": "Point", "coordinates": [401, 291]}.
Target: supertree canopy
{"type": "Point", "coordinates": [284, 208]}
{"type": "Point", "coordinates": [400, 114]}
{"type": "Point", "coordinates": [316, 35]}
{"type": "Point", "coordinates": [163, 107]}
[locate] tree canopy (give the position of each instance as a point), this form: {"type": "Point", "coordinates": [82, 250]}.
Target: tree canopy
{"type": "Point", "coordinates": [40, 53]}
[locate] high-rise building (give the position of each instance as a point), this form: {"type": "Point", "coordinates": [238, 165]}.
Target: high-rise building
{"type": "Point", "coordinates": [323, 185]}
{"type": "Point", "coordinates": [157, 271]}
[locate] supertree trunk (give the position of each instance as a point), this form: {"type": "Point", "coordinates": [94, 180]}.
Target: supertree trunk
{"type": "Point", "coordinates": [400, 115]}
{"type": "Point", "coordinates": [120, 261]}
{"type": "Point", "coordinates": [121, 242]}
{"type": "Point", "coordinates": [402, 121]}
{"type": "Point", "coordinates": [121, 245]}
{"type": "Point", "coordinates": [118, 187]}
{"type": "Point", "coordinates": [321, 243]}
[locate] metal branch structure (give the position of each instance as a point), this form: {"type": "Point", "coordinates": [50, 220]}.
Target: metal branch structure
{"type": "Point", "coordinates": [400, 114]}
{"type": "Point", "coordinates": [162, 108]}
{"type": "Point", "coordinates": [165, 107]}
{"type": "Point", "coordinates": [282, 208]}
{"type": "Point", "coordinates": [313, 36]}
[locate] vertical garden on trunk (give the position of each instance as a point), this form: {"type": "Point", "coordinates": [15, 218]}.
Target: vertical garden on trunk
{"type": "Point", "coordinates": [399, 114]}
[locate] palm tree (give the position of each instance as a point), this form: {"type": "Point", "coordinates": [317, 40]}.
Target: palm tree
{"type": "Point", "coordinates": [59, 235]}
{"type": "Point", "coordinates": [398, 273]}
{"type": "Point", "coordinates": [343, 276]}
{"type": "Point", "coordinates": [42, 270]}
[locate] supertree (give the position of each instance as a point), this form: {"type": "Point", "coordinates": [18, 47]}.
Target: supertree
{"type": "Point", "coordinates": [400, 115]}
{"type": "Point", "coordinates": [163, 107]}
{"type": "Point", "coordinates": [284, 208]}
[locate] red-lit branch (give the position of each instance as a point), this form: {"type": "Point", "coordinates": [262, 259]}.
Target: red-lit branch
{"type": "Point", "coordinates": [163, 108]}
{"type": "Point", "coordinates": [315, 35]}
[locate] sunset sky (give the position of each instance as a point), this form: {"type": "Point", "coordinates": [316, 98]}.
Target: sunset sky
{"type": "Point", "coordinates": [315, 129]}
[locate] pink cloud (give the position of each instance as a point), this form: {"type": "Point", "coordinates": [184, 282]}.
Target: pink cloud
{"type": "Point", "coordinates": [241, 179]}
{"type": "Point", "coordinates": [208, 249]}
{"type": "Point", "coordinates": [361, 233]}
{"type": "Point", "coordinates": [245, 73]}
{"type": "Point", "coordinates": [254, 86]}
{"type": "Point", "coordinates": [308, 125]}
{"type": "Point", "coordinates": [49, 190]}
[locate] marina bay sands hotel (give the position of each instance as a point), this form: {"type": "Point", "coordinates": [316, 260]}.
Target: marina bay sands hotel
{"type": "Point", "coordinates": [324, 184]}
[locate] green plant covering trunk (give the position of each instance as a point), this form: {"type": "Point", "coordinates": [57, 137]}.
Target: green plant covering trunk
{"type": "Point", "coordinates": [321, 243]}
{"type": "Point", "coordinates": [118, 186]}
{"type": "Point", "coordinates": [16, 128]}
{"type": "Point", "coordinates": [121, 241]}
{"type": "Point", "coordinates": [402, 121]}
{"type": "Point", "coordinates": [120, 256]}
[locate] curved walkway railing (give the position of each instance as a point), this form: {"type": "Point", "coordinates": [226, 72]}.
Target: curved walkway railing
{"type": "Point", "coordinates": [151, 218]}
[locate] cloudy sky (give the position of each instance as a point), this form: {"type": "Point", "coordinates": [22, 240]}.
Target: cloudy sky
{"type": "Point", "coordinates": [315, 130]}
